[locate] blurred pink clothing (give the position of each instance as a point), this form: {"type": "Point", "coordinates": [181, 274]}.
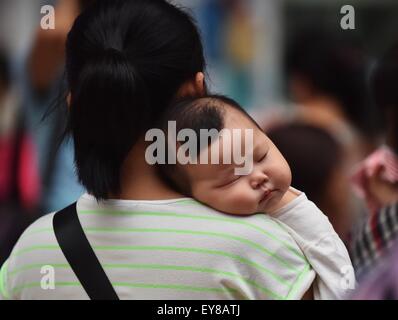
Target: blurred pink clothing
{"type": "Point", "coordinates": [6, 156]}
{"type": "Point", "coordinates": [18, 168]}
{"type": "Point", "coordinates": [383, 161]}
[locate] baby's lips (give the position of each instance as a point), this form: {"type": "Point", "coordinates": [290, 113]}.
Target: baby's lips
{"type": "Point", "coordinates": [266, 194]}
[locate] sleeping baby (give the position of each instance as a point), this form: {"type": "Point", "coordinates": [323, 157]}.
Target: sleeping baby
{"type": "Point", "coordinates": [264, 189]}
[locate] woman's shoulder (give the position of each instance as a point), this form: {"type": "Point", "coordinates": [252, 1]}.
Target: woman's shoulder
{"type": "Point", "coordinates": [38, 235]}
{"type": "Point", "coordinates": [42, 224]}
{"type": "Point", "coordinates": [257, 231]}
{"type": "Point", "coordinates": [257, 245]}
{"type": "Point", "coordinates": [185, 212]}
{"type": "Point", "coordinates": [190, 214]}
{"type": "Point", "coordinates": [35, 248]}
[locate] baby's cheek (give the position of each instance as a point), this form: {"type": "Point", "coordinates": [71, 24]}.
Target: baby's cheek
{"type": "Point", "coordinates": [202, 193]}
{"type": "Point", "coordinates": [283, 176]}
{"type": "Point", "coordinates": [240, 201]}
{"type": "Point", "coordinates": [213, 197]}
{"type": "Point", "coordinates": [235, 200]}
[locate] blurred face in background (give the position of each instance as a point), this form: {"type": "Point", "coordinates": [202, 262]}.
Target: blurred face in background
{"type": "Point", "coordinates": [336, 201]}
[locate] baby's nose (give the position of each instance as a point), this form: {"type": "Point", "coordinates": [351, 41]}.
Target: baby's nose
{"type": "Point", "coordinates": [259, 181]}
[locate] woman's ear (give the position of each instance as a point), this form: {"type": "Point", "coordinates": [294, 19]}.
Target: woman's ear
{"type": "Point", "coordinates": [193, 87]}
{"type": "Point", "coordinates": [68, 100]}
{"type": "Point", "coordinates": [200, 84]}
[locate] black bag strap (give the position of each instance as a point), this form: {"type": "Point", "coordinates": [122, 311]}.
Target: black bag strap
{"type": "Point", "coordinates": [81, 256]}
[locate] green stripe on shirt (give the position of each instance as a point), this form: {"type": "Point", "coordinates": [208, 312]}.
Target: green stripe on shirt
{"type": "Point", "coordinates": [198, 217]}
{"type": "Point", "coordinates": [3, 281]}
{"type": "Point", "coordinates": [158, 267]}
{"type": "Point", "coordinates": [166, 248]}
{"type": "Point", "coordinates": [18, 289]}
{"type": "Point", "coordinates": [188, 232]}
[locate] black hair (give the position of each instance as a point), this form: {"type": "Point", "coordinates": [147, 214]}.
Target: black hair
{"type": "Point", "coordinates": [336, 66]}
{"type": "Point", "coordinates": [302, 145]}
{"type": "Point", "coordinates": [84, 4]}
{"type": "Point", "coordinates": [195, 113]}
{"type": "Point", "coordinates": [125, 61]}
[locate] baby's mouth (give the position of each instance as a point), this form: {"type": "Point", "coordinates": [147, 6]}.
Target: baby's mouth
{"type": "Point", "coordinates": [267, 193]}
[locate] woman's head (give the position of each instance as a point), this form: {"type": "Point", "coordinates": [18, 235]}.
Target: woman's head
{"type": "Point", "coordinates": [126, 60]}
{"type": "Point", "coordinates": [83, 4]}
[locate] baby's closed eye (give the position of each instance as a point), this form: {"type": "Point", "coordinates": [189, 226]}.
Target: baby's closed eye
{"type": "Point", "coordinates": [261, 157]}
{"type": "Point", "coordinates": [228, 182]}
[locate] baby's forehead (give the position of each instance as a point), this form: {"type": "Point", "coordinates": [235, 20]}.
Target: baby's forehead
{"type": "Point", "coordinates": [237, 120]}
{"type": "Point", "coordinates": [233, 118]}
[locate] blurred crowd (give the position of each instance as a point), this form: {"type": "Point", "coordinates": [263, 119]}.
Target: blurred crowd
{"type": "Point", "coordinates": [337, 128]}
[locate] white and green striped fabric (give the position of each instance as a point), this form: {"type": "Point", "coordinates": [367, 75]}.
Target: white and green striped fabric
{"type": "Point", "coordinates": [174, 249]}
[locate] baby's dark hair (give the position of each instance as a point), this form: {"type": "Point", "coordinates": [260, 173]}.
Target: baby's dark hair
{"type": "Point", "coordinates": [195, 113]}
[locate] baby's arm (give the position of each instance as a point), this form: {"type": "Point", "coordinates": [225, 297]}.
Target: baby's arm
{"type": "Point", "coordinates": [323, 249]}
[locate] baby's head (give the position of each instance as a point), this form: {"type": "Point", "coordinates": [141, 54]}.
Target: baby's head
{"type": "Point", "coordinates": [218, 185]}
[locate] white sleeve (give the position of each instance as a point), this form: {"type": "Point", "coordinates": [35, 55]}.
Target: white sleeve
{"type": "Point", "coordinates": [323, 249]}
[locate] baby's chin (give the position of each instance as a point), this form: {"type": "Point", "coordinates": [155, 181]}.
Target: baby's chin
{"type": "Point", "coordinates": [245, 208]}
{"type": "Point", "coordinates": [271, 204]}
{"type": "Point", "coordinates": [242, 209]}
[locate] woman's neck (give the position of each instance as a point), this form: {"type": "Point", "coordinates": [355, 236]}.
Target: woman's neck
{"type": "Point", "coordinates": [140, 181]}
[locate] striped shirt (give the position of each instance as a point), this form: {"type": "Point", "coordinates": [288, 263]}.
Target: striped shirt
{"type": "Point", "coordinates": [171, 249]}
{"type": "Point", "coordinates": [373, 239]}
{"type": "Point", "coordinates": [377, 229]}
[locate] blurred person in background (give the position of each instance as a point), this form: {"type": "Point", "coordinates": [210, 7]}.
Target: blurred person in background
{"type": "Point", "coordinates": [19, 188]}
{"type": "Point", "coordinates": [327, 81]}
{"type": "Point", "coordinates": [316, 161]}
{"type": "Point", "coordinates": [41, 78]}
{"type": "Point", "coordinates": [376, 178]}
{"type": "Point", "coordinates": [382, 282]}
